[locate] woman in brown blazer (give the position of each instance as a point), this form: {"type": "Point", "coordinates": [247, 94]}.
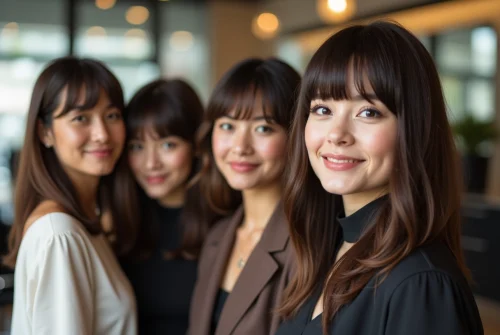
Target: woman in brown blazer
{"type": "Point", "coordinates": [247, 259]}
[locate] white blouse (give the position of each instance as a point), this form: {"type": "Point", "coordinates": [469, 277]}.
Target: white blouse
{"type": "Point", "coordinates": [68, 282]}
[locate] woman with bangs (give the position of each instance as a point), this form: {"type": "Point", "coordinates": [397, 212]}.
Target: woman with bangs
{"type": "Point", "coordinates": [246, 261]}
{"type": "Point", "coordinates": [67, 278]}
{"type": "Point", "coordinates": [162, 120]}
{"type": "Point", "coordinates": [373, 197]}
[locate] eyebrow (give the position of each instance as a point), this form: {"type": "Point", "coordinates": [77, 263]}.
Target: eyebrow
{"type": "Point", "coordinates": [257, 118]}
{"type": "Point", "coordinates": [79, 107]}
{"type": "Point", "coordinates": [358, 97]}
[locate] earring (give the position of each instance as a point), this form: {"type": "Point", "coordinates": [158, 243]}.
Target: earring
{"type": "Point", "coordinates": [48, 146]}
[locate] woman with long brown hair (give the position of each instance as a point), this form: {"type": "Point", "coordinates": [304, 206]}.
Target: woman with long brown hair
{"type": "Point", "coordinates": [246, 261]}
{"type": "Point", "coordinates": [162, 120]}
{"type": "Point", "coordinates": [67, 278]}
{"type": "Point", "coordinates": [373, 195]}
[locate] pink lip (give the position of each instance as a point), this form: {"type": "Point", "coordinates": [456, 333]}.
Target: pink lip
{"type": "Point", "coordinates": [101, 153]}
{"type": "Point", "coordinates": [243, 167]}
{"type": "Point", "coordinates": [340, 166]}
{"type": "Point", "coordinates": [154, 180]}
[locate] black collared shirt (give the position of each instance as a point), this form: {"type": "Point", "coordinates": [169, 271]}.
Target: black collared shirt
{"type": "Point", "coordinates": [425, 294]}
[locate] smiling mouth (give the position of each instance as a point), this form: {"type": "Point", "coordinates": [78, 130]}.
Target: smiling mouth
{"type": "Point", "coordinates": [101, 153]}
{"type": "Point", "coordinates": [243, 167]}
{"type": "Point", "coordinates": [156, 180]}
{"type": "Point", "coordinates": [341, 164]}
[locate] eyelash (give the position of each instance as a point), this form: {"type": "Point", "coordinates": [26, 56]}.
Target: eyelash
{"type": "Point", "coordinates": [314, 110]}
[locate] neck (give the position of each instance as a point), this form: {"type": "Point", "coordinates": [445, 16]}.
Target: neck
{"type": "Point", "coordinates": [356, 201]}
{"type": "Point", "coordinates": [87, 193]}
{"type": "Point", "coordinates": [259, 205]}
{"type": "Point", "coordinates": [175, 198]}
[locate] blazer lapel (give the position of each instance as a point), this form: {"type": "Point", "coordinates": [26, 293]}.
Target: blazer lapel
{"type": "Point", "coordinates": [219, 251]}
{"type": "Point", "coordinates": [259, 269]}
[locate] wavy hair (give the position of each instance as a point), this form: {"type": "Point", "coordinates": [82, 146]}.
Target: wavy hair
{"type": "Point", "coordinates": [424, 189]}
{"type": "Point", "coordinates": [277, 83]}
{"type": "Point", "coordinates": [40, 175]}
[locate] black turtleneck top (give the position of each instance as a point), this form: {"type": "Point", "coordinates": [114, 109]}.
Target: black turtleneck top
{"type": "Point", "coordinates": [163, 286]}
{"type": "Point", "coordinates": [425, 294]}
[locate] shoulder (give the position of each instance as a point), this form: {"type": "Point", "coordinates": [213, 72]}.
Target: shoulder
{"type": "Point", "coordinates": [221, 226]}
{"type": "Point", "coordinates": [433, 264]}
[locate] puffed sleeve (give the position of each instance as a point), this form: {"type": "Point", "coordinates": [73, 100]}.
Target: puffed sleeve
{"type": "Point", "coordinates": [432, 303]}
{"type": "Point", "coordinates": [62, 297]}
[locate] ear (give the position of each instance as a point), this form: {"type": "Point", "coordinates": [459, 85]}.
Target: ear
{"type": "Point", "coordinates": [45, 134]}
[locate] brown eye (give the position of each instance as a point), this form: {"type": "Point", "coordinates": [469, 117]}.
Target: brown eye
{"type": "Point", "coordinates": [320, 110]}
{"type": "Point", "coordinates": [370, 113]}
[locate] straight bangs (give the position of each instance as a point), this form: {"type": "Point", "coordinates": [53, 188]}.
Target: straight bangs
{"type": "Point", "coordinates": [84, 84]}
{"type": "Point", "coordinates": [164, 108]}
{"type": "Point", "coordinates": [241, 102]}
{"type": "Point", "coordinates": [354, 49]}
{"type": "Point", "coordinates": [158, 120]}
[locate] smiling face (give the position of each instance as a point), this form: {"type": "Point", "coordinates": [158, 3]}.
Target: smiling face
{"type": "Point", "coordinates": [351, 144]}
{"type": "Point", "coordinates": [89, 142]}
{"type": "Point", "coordinates": [250, 153]}
{"type": "Point", "coordinates": [161, 166]}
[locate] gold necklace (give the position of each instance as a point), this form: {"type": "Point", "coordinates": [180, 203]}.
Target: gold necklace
{"type": "Point", "coordinates": [241, 261]}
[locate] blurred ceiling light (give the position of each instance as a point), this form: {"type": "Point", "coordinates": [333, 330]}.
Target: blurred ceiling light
{"type": "Point", "coordinates": [137, 15]}
{"type": "Point", "coordinates": [12, 26]}
{"type": "Point", "coordinates": [96, 31]}
{"type": "Point", "coordinates": [338, 6]}
{"type": "Point", "coordinates": [265, 26]}
{"type": "Point", "coordinates": [336, 11]}
{"type": "Point", "coordinates": [181, 40]}
{"type": "Point", "coordinates": [105, 4]}
{"type": "Point", "coordinates": [11, 29]}
{"type": "Point", "coordinates": [135, 32]}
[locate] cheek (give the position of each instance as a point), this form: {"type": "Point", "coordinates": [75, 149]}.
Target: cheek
{"type": "Point", "coordinates": [135, 161]}
{"type": "Point", "coordinates": [179, 160]}
{"type": "Point", "coordinates": [313, 136]}
{"type": "Point", "coordinates": [380, 143]}
{"type": "Point", "coordinates": [221, 144]}
{"type": "Point", "coordinates": [117, 132]}
{"type": "Point", "coordinates": [272, 148]}
{"type": "Point", "coordinates": [67, 137]}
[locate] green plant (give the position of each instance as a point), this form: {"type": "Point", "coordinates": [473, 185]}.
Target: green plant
{"type": "Point", "coordinates": [473, 132]}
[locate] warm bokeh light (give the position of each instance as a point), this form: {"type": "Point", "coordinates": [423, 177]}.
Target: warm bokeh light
{"type": "Point", "coordinates": [105, 4]}
{"type": "Point", "coordinates": [96, 31]}
{"type": "Point", "coordinates": [181, 40]}
{"type": "Point", "coordinates": [137, 15]}
{"type": "Point", "coordinates": [265, 26]}
{"type": "Point", "coordinates": [135, 32]}
{"type": "Point", "coordinates": [338, 6]}
{"type": "Point", "coordinates": [12, 26]}
{"type": "Point", "coordinates": [10, 30]}
{"type": "Point", "coordinates": [336, 11]}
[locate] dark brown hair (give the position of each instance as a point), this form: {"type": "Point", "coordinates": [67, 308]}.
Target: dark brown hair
{"type": "Point", "coordinates": [424, 190]}
{"type": "Point", "coordinates": [276, 82]}
{"type": "Point", "coordinates": [171, 108]}
{"type": "Point", "coordinates": [40, 175]}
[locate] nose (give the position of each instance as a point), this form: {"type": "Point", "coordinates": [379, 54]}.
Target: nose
{"type": "Point", "coordinates": [242, 141]}
{"type": "Point", "coordinates": [340, 133]}
{"type": "Point", "coordinates": [100, 132]}
{"type": "Point", "coordinates": [152, 159]}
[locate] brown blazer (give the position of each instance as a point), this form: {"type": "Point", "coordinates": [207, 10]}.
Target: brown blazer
{"type": "Point", "coordinates": [250, 308]}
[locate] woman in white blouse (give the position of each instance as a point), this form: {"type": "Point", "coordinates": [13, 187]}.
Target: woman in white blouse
{"type": "Point", "coordinates": [67, 279]}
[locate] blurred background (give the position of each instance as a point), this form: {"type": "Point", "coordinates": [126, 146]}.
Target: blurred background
{"type": "Point", "coordinates": [198, 40]}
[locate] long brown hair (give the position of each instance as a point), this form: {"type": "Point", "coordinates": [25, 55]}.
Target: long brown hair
{"type": "Point", "coordinates": [40, 175]}
{"type": "Point", "coordinates": [424, 193]}
{"type": "Point", "coordinates": [172, 108]}
{"type": "Point", "coordinates": [277, 83]}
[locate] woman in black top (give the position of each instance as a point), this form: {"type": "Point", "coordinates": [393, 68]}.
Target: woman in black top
{"type": "Point", "coordinates": [161, 124]}
{"type": "Point", "coordinates": [373, 196]}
